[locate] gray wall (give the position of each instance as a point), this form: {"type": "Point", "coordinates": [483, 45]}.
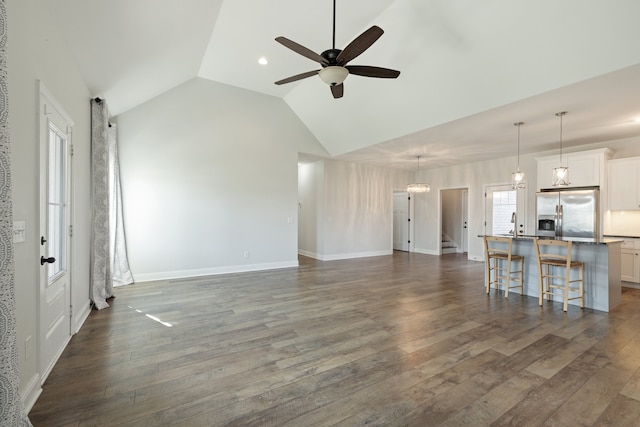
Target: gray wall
{"type": "Point", "coordinates": [209, 175]}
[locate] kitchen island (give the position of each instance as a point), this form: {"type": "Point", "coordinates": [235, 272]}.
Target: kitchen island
{"type": "Point", "coordinates": [601, 258]}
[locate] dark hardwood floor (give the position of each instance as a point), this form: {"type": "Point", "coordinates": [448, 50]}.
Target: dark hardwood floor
{"type": "Point", "coordinates": [406, 340]}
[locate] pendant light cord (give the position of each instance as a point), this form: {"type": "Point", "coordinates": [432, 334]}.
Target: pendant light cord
{"type": "Point", "coordinates": [560, 114]}
{"type": "Point", "coordinates": [518, 147]}
{"type": "Point", "coordinates": [518, 124]}
{"type": "Point", "coordinates": [561, 140]}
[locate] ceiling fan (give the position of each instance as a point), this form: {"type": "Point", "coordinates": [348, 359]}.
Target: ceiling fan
{"type": "Point", "coordinates": [334, 61]}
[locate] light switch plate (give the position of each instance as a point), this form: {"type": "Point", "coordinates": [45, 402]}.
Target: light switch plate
{"type": "Point", "coordinates": [19, 231]}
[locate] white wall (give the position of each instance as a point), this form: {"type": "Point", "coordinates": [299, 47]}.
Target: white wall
{"type": "Point", "coordinates": [355, 209]}
{"type": "Point", "coordinates": [209, 175]}
{"type": "Point", "coordinates": [37, 52]}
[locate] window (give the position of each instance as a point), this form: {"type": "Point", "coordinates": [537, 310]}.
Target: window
{"type": "Point", "coordinates": [504, 208]}
{"type": "Point", "coordinates": [56, 197]}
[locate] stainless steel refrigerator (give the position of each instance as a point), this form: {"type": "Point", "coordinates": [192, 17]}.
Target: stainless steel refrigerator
{"type": "Point", "coordinates": [568, 213]}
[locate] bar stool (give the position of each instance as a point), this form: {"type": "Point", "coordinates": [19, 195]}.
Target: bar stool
{"type": "Point", "coordinates": [554, 255]}
{"type": "Point", "coordinates": [498, 259]}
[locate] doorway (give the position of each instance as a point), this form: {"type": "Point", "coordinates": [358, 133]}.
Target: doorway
{"type": "Point", "coordinates": [54, 329]}
{"type": "Point", "coordinates": [454, 214]}
{"type": "Point", "coordinates": [505, 210]}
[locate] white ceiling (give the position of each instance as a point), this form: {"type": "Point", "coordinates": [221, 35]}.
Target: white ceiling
{"type": "Point", "coordinates": [469, 69]}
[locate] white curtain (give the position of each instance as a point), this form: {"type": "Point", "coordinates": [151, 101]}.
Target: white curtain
{"type": "Point", "coordinates": [109, 262]}
{"type": "Point", "coordinates": [120, 273]}
{"type": "Point", "coordinates": [11, 409]}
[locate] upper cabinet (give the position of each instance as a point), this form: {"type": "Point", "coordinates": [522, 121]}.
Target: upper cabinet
{"type": "Point", "coordinates": [624, 184]}
{"type": "Point", "coordinates": [586, 168]}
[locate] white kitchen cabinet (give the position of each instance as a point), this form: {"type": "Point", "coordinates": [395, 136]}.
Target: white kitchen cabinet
{"type": "Point", "coordinates": [624, 184]}
{"type": "Point", "coordinates": [630, 256]}
{"type": "Point", "coordinates": [586, 168]}
{"type": "Point", "coordinates": [545, 171]}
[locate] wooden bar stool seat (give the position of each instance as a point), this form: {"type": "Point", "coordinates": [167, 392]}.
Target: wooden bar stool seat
{"type": "Point", "coordinates": [502, 266]}
{"type": "Point", "coordinates": [554, 272]}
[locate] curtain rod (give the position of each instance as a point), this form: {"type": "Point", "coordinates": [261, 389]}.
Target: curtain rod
{"type": "Point", "coordinates": [99, 101]}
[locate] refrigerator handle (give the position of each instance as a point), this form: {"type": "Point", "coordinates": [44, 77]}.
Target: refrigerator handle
{"type": "Point", "coordinates": [559, 221]}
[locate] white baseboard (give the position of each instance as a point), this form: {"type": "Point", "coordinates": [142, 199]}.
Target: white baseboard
{"type": "Point", "coordinates": [34, 387]}
{"type": "Point", "coordinates": [181, 274]}
{"type": "Point", "coordinates": [426, 251]}
{"type": "Point", "coordinates": [31, 393]}
{"type": "Point", "coordinates": [308, 254]}
{"type": "Point", "coordinates": [630, 285]}
{"type": "Point", "coordinates": [81, 316]}
{"type": "Point", "coordinates": [351, 255]}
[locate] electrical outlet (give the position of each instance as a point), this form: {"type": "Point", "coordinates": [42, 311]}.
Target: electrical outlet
{"type": "Point", "coordinates": [247, 254]}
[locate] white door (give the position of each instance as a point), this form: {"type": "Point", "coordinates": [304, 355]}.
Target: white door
{"type": "Point", "coordinates": [465, 221]}
{"type": "Point", "coordinates": [55, 230]}
{"type": "Point", "coordinates": [401, 222]}
{"type": "Point", "coordinates": [505, 210]}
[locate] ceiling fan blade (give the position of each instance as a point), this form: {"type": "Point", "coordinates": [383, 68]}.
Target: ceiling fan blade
{"type": "Point", "coordinates": [297, 77]}
{"type": "Point", "coordinates": [337, 91]}
{"type": "Point", "coordinates": [368, 71]}
{"type": "Point", "coordinates": [359, 45]}
{"type": "Point", "coordinates": [298, 48]}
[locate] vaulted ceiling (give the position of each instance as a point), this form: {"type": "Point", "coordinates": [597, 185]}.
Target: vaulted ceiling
{"type": "Point", "coordinates": [469, 69]}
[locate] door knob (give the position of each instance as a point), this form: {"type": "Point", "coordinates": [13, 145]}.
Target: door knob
{"type": "Point", "coordinates": [49, 260]}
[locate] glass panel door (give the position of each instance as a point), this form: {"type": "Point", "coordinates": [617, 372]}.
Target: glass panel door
{"type": "Point", "coordinates": [56, 202]}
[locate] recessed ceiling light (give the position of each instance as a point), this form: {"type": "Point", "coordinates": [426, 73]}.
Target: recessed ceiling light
{"type": "Point", "coordinates": [263, 61]}
{"type": "Point", "coordinates": [637, 120]}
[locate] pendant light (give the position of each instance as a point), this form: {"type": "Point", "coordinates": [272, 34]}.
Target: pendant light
{"type": "Point", "coordinates": [561, 173]}
{"type": "Point", "coordinates": [517, 178]}
{"type": "Point", "coordinates": [418, 187]}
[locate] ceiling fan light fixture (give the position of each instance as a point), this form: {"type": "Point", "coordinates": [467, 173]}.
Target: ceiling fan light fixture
{"type": "Point", "coordinates": [333, 75]}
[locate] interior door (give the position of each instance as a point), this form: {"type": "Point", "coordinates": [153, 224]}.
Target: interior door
{"type": "Point", "coordinates": [465, 221]}
{"type": "Point", "coordinates": [55, 229]}
{"type": "Point", "coordinates": [401, 221]}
